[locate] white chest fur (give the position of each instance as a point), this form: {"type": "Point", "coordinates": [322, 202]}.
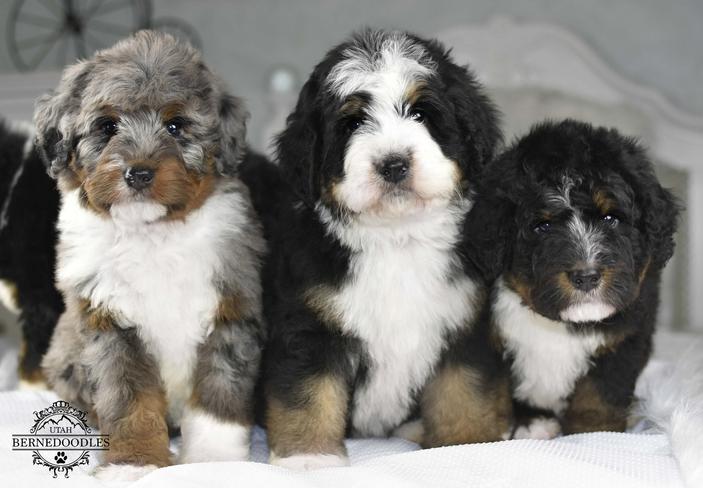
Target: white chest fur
{"type": "Point", "coordinates": [547, 359]}
{"type": "Point", "coordinates": [157, 277]}
{"type": "Point", "coordinates": [400, 301]}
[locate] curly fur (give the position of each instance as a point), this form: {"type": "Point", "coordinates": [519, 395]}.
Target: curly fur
{"type": "Point", "coordinates": [565, 198]}
{"type": "Point", "coordinates": [369, 293]}
{"type": "Point", "coordinates": [161, 279]}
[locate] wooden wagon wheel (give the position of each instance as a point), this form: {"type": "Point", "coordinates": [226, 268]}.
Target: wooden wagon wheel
{"type": "Point", "coordinates": [51, 33]}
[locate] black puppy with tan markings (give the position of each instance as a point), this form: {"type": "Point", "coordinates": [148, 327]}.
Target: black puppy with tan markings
{"type": "Point", "coordinates": [158, 257]}
{"type": "Point", "coordinates": [376, 311]}
{"type": "Point", "coordinates": [582, 230]}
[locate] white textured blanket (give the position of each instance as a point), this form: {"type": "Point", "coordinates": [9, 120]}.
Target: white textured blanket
{"type": "Point", "coordinates": [642, 458]}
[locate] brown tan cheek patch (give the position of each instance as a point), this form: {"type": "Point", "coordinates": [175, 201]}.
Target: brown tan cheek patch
{"type": "Point", "coordinates": [459, 408]}
{"type": "Point", "coordinates": [140, 436]}
{"type": "Point", "coordinates": [316, 427]}
{"type": "Point", "coordinates": [520, 287]}
{"type": "Point", "coordinates": [588, 411]}
{"type": "Point", "coordinates": [178, 190]}
{"type": "Point", "coordinates": [102, 188]}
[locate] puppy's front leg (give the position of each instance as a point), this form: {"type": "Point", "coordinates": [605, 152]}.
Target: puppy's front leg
{"type": "Point", "coordinates": [307, 393]}
{"type": "Point", "coordinates": [602, 399]}
{"type": "Point", "coordinates": [468, 400]}
{"type": "Point", "coordinates": [216, 425]}
{"type": "Point", "coordinates": [129, 400]}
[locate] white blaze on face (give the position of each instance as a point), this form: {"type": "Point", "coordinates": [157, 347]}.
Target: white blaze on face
{"type": "Point", "coordinates": [587, 239]}
{"type": "Point", "coordinates": [387, 130]}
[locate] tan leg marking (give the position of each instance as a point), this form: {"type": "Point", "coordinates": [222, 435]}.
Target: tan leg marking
{"type": "Point", "coordinates": [317, 426]}
{"type": "Point", "coordinates": [141, 436]}
{"type": "Point", "coordinates": [459, 408]}
{"type": "Point", "coordinates": [588, 411]}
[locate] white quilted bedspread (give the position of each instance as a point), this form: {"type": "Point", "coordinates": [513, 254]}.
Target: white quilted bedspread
{"type": "Point", "coordinates": [637, 459]}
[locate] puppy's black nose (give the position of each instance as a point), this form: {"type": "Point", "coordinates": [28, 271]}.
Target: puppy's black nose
{"type": "Point", "coordinates": [139, 177]}
{"type": "Point", "coordinates": [394, 168]}
{"type": "Point", "coordinates": [584, 279]}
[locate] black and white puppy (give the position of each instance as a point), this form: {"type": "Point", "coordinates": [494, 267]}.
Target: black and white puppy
{"type": "Point", "coordinates": [584, 229]}
{"type": "Point", "coordinates": [159, 254]}
{"type": "Point", "coordinates": [29, 205]}
{"type": "Point", "coordinates": [374, 307]}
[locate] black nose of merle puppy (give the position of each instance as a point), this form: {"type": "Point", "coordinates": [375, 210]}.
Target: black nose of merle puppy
{"type": "Point", "coordinates": [139, 178]}
{"type": "Point", "coordinates": [585, 279]}
{"type": "Point", "coordinates": [394, 168]}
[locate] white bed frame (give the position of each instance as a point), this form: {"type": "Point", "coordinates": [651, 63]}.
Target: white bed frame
{"type": "Point", "coordinates": [538, 71]}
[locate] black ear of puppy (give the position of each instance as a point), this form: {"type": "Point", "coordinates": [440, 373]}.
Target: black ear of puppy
{"type": "Point", "coordinates": [490, 226]}
{"type": "Point", "coordinates": [298, 144]}
{"type": "Point", "coordinates": [661, 208]}
{"type": "Point", "coordinates": [488, 232]}
{"type": "Point", "coordinates": [476, 114]}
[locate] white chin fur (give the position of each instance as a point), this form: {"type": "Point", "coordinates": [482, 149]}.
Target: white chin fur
{"type": "Point", "coordinates": [123, 472]}
{"type": "Point", "coordinates": [207, 439]}
{"type": "Point", "coordinates": [306, 462]}
{"type": "Point", "coordinates": [587, 312]}
{"type": "Point", "coordinates": [133, 212]}
{"type": "Point", "coordinates": [540, 428]}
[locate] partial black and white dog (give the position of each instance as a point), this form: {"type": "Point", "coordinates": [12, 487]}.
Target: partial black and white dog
{"type": "Point", "coordinates": [583, 229]}
{"type": "Point", "coordinates": [375, 308]}
{"type": "Point", "coordinates": [29, 205]}
{"type": "Point", "coordinates": [159, 254]}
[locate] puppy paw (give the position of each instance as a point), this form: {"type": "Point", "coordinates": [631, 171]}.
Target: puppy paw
{"type": "Point", "coordinates": [306, 462]}
{"type": "Point", "coordinates": [541, 428]}
{"type": "Point", "coordinates": [123, 472]}
{"type": "Point", "coordinates": [207, 439]}
{"type": "Point", "coordinates": [412, 431]}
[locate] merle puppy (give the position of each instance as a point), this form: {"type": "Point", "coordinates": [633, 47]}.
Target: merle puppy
{"type": "Point", "coordinates": [582, 230]}
{"type": "Point", "coordinates": [159, 254]}
{"type": "Point", "coordinates": [29, 205]}
{"type": "Point", "coordinates": [375, 308]}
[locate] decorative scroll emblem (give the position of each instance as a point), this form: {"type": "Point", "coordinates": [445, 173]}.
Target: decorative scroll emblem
{"type": "Point", "coordinates": [60, 439]}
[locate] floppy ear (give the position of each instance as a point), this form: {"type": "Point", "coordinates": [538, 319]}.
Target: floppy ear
{"type": "Point", "coordinates": [488, 234]}
{"type": "Point", "coordinates": [660, 209]}
{"type": "Point", "coordinates": [477, 117]}
{"type": "Point", "coordinates": [54, 118]}
{"type": "Point", "coordinates": [298, 145]}
{"type": "Point", "coordinates": [490, 226]}
{"type": "Point", "coordinates": [233, 130]}
{"type": "Point", "coordinates": [661, 220]}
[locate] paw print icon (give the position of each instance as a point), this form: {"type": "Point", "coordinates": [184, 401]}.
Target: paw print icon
{"type": "Point", "coordinates": [60, 457]}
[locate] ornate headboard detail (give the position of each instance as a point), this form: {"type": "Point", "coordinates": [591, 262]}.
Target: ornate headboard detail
{"type": "Point", "coordinates": [537, 71]}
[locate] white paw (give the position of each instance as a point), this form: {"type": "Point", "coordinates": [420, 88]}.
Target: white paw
{"type": "Point", "coordinates": [306, 462]}
{"type": "Point", "coordinates": [207, 439]}
{"type": "Point", "coordinates": [123, 472]}
{"type": "Point", "coordinates": [540, 428]}
{"type": "Point", "coordinates": [411, 431]}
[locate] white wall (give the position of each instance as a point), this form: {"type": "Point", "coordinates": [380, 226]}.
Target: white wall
{"type": "Point", "coordinates": [653, 42]}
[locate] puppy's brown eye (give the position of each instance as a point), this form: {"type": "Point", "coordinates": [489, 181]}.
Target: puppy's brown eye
{"type": "Point", "coordinates": [417, 115]}
{"type": "Point", "coordinates": [108, 127]}
{"type": "Point", "coordinates": [611, 220]}
{"type": "Point", "coordinates": [543, 227]}
{"type": "Point", "coordinates": [175, 127]}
